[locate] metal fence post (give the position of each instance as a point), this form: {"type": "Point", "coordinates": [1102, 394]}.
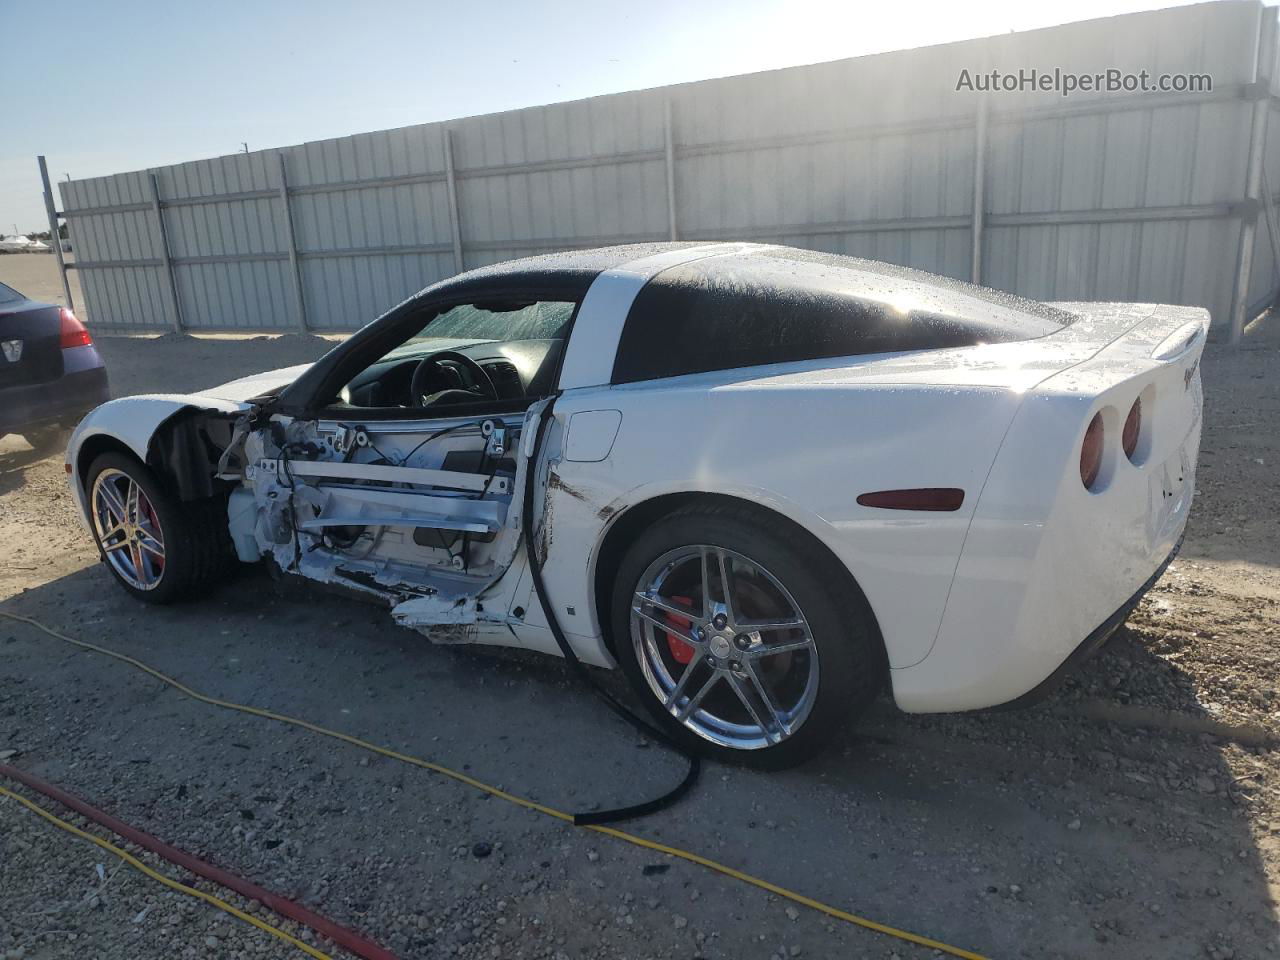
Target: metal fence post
{"type": "Point", "coordinates": [165, 258]}
{"type": "Point", "coordinates": [979, 188]}
{"type": "Point", "coordinates": [54, 238]}
{"type": "Point", "coordinates": [451, 186]}
{"type": "Point", "coordinates": [670, 152]}
{"type": "Point", "coordinates": [1266, 52]}
{"type": "Point", "coordinates": [295, 272]}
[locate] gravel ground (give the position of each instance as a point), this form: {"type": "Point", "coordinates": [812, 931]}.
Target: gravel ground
{"type": "Point", "coordinates": [1134, 814]}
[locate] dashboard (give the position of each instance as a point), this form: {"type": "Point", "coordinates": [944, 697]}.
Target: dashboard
{"type": "Point", "coordinates": [519, 369]}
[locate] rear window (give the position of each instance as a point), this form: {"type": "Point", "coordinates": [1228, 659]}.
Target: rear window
{"type": "Point", "coordinates": [9, 295]}
{"type": "Point", "coordinates": [784, 305]}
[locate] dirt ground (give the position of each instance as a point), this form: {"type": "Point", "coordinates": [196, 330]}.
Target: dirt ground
{"type": "Point", "coordinates": [1135, 814]}
{"type": "Point", "coordinates": [35, 275]}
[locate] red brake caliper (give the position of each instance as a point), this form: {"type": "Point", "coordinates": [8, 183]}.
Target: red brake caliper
{"type": "Point", "coordinates": [682, 651]}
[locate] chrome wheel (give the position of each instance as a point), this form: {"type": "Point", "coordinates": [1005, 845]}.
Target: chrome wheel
{"type": "Point", "coordinates": [128, 529]}
{"type": "Point", "coordinates": [724, 647]}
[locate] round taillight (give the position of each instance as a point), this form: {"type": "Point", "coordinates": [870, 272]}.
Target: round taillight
{"type": "Point", "coordinates": [1091, 452]}
{"type": "Point", "coordinates": [1132, 429]}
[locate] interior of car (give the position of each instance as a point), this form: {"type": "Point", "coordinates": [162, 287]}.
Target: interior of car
{"type": "Point", "coordinates": [498, 351]}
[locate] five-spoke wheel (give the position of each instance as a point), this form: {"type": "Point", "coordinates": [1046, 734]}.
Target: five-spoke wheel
{"type": "Point", "coordinates": [158, 547]}
{"type": "Point", "coordinates": [128, 529]}
{"type": "Point", "coordinates": [742, 642]}
{"type": "Point", "coordinates": [725, 646]}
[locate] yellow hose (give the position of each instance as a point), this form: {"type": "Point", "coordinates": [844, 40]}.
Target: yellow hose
{"type": "Point", "coordinates": [167, 881]}
{"type": "Point", "coordinates": [519, 801]}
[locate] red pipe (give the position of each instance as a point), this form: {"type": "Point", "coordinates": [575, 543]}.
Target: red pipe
{"type": "Point", "coordinates": [347, 939]}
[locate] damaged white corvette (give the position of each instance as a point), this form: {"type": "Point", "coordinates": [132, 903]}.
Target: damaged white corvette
{"type": "Point", "coordinates": [759, 479]}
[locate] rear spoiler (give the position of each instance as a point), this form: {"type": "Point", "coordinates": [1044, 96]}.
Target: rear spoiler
{"type": "Point", "coordinates": [1150, 331]}
{"type": "Point", "coordinates": [1181, 342]}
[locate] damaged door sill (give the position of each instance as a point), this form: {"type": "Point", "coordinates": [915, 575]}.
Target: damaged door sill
{"type": "Point", "coordinates": [436, 610]}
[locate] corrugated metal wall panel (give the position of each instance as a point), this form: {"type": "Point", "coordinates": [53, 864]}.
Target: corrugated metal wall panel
{"type": "Point", "coordinates": [126, 296]}
{"type": "Point", "coordinates": [872, 156]}
{"type": "Point", "coordinates": [234, 296]}
{"type": "Point", "coordinates": [1265, 278]}
{"type": "Point", "coordinates": [343, 293]}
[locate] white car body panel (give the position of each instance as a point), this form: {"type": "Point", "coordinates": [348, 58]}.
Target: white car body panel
{"type": "Point", "coordinates": [1046, 560]}
{"type": "Point", "coordinates": [805, 476]}
{"type": "Point", "coordinates": [976, 606]}
{"type": "Point", "coordinates": [246, 388]}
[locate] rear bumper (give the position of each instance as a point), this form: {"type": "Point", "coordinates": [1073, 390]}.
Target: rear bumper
{"type": "Point", "coordinates": [64, 400]}
{"type": "Point", "coordinates": [1091, 644]}
{"type": "Point", "coordinates": [1004, 660]}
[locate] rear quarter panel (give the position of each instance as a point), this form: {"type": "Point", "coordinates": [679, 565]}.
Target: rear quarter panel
{"type": "Point", "coordinates": [1047, 561]}
{"type": "Point", "coordinates": [802, 448]}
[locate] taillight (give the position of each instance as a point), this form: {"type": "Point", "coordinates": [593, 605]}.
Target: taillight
{"type": "Point", "coordinates": [1091, 452]}
{"type": "Point", "coordinates": [1132, 429]}
{"type": "Point", "coordinates": [72, 332]}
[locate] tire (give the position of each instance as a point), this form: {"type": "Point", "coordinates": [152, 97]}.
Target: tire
{"type": "Point", "coordinates": [832, 666]}
{"type": "Point", "coordinates": [193, 538]}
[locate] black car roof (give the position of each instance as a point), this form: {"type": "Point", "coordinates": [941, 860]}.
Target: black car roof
{"type": "Point", "coordinates": [787, 267]}
{"type": "Point", "coordinates": [574, 268]}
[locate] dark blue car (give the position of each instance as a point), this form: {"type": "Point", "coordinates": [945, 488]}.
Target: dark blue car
{"type": "Point", "coordinates": [50, 372]}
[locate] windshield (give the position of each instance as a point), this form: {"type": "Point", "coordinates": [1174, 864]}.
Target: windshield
{"type": "Point", "coordinates": [485, 351]}
{"type": "Point", "coordinates": [9, 295]}
{"type": "Point", "coordinates": [498, 321]}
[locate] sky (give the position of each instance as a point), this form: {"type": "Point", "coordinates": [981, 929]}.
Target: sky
{"type": "Point", "coordinates": [132, 84]}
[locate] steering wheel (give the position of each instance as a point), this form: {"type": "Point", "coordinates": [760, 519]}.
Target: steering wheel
{"type": "Point", "coordinates": [482, 386]}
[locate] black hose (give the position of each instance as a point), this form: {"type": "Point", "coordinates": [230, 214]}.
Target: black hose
{"type": "Point", "coordinates": [535, 569]}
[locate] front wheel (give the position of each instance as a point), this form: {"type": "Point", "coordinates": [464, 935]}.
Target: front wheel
{"type": "Point", "coordinates": [158, 548]}
{"type": "Point", "coordinates": [741, 644]}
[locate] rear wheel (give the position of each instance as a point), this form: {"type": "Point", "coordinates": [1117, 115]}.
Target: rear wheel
{"type": "Point", "coordinates": [157, 547]}
{"type": "Point", "coordinates": [741, 644]}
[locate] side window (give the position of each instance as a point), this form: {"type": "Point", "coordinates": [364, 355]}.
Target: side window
{"type": "Point", "coordinates": [681, 323]}
{"type": "Point", "coordinates": [501, 352]}
{"type": "Point", "coordinates": [754, 309]}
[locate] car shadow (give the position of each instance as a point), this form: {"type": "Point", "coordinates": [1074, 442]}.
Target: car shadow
{"type": "Point", "coordinates": [1048, 831]}
{"type": "Point", "coordinates": [16, 456]}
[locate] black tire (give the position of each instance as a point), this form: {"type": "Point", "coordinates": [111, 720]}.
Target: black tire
{"type": "Point", "coordinates": [197, 543]}
{"type": "Point", "coordinates": [849, 648]}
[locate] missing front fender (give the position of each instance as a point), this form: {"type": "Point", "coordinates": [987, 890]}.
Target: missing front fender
{"type": "Point", "coordinates": [185, 450]}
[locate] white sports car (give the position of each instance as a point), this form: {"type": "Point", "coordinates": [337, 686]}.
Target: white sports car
{"type": "Point", "coordinates": [761, 480]}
